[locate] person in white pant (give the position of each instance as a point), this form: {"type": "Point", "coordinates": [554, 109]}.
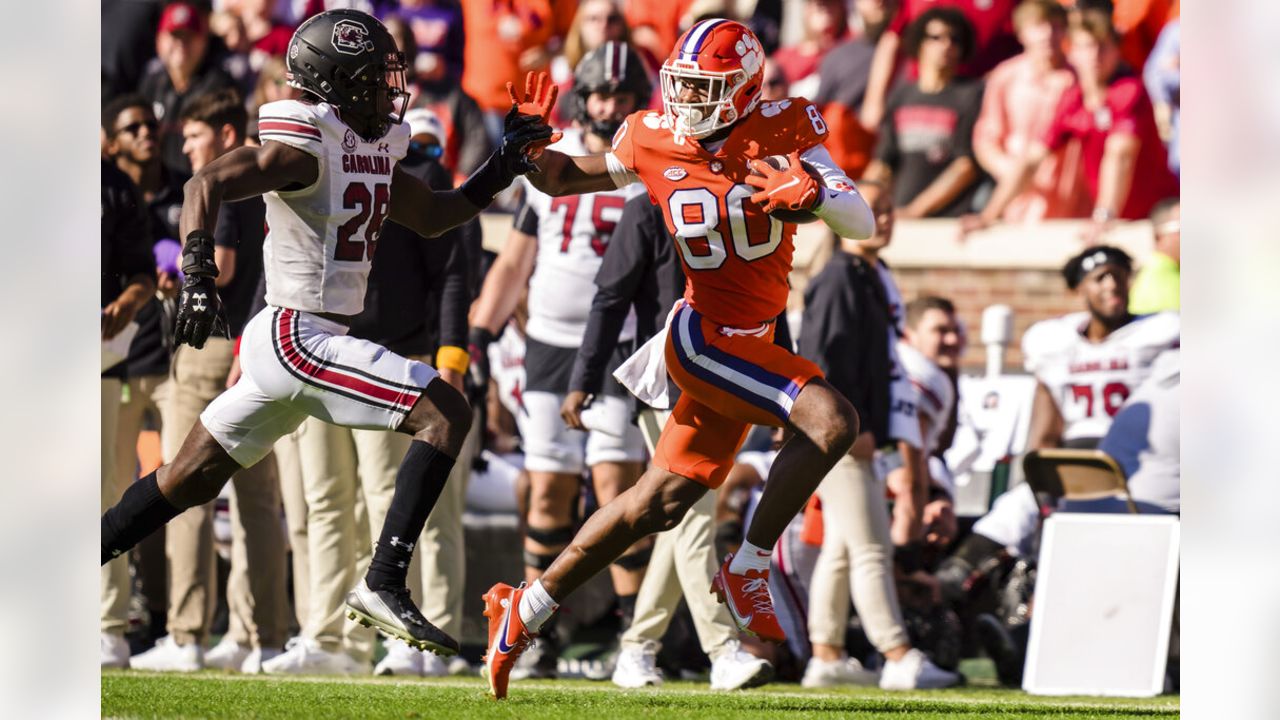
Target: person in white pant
{"type": "Point", "coordinates": [853, 317]}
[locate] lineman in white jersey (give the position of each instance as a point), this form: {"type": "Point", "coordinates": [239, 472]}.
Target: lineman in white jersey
{"type": "Point", "coordinates": [1086, 364]}
{"type": "Point", "coordinates": [327, 167]}
{"type": "Point", "coordinates": [556, 247]}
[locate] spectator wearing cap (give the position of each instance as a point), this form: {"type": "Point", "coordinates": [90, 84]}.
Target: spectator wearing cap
{"type": "Point", "coordinates": [1018, 105]}
{"type": "Point", "coordinates": [1157, 286]}
{"type": "Point", "coordinates": [925, 149]}
{"type": "Point", "coordinates": [186, 69]}
{"type": "Point", "coordinates": [826, 23]}
{"type": "Point", "coordinates": [465, 142]}
{"type": "Point", "coordinates": [1108, 112]}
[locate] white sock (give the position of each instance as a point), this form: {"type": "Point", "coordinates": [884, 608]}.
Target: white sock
{"type": "Point", "coordinates": [536, 606]}
{"type": "Point", "coordinates": [750, 557]}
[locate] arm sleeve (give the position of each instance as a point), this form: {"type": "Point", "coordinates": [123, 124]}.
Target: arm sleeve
{"type": "Point", "coordinates": [627, 260]}
{"type": "Point", "coordinates": [454, 295]}
{"type": "Point", "coordinates": [842, 208]}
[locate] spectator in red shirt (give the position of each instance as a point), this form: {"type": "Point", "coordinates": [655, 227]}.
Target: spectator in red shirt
{"type": "Point", "coordinates": [994, 42]}
{"type": "Point", "coordinates": [925, 150]}
{"type": "Point", "coordinates": [826, 23]}
{"type": "Point", "coordinates": [1018, 106]}
{"type": "Point", "coordinates": [1111, 117]}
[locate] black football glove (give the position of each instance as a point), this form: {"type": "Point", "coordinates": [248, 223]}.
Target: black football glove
{"type": "Point", "coordinates": [200, 311]}
{"type": "Point", "coordinates": [509, 160]}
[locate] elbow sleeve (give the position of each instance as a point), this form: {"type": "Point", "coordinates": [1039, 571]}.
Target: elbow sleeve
{"type": "Point", "coordinates": [847, 214]}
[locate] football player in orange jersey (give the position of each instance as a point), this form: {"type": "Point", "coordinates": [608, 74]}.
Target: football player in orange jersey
{"type": "Point", "coordinates": [701, 161]}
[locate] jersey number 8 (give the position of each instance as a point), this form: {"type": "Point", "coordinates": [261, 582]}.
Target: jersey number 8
{"type": "Point", "coordinates": [695, 212]}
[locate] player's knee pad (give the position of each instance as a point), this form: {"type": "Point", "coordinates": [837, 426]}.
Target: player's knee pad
{"type": "Point", "coordinates": [637, 560]}
{"type": "Point", "coordinates": [550, 537]}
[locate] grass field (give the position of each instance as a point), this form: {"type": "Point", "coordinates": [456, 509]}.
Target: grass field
{"type": "Point", "coordinates": [130, 694]}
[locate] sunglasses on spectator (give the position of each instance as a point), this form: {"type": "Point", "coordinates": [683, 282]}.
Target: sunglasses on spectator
{"type": "Point", "coordinates": [936, 37]}
{"type": "Point", "coordinates": [133, 127]}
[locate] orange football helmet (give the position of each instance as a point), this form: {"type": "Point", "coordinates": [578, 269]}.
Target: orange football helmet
{"type": "Point", "coordinates": [726, 59]}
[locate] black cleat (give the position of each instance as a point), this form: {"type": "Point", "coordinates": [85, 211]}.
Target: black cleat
{"type": "Point", "coordinates": [394, 614]}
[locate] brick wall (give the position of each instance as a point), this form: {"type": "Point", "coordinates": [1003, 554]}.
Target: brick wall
{"type": "Point", "coordinates": [1033, 295]}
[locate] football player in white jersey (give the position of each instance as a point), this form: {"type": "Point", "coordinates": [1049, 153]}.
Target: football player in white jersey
{"type": "Point", "coordinates": [1086, 364]}
{"type": "Point", "coordinates": [328, 170]}
{"type": "Point", "coordinates": [556, 247]}
{"type": "Point", "coordinates": [929, 353]}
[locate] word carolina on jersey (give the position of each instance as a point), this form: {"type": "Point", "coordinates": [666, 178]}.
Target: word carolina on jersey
{"type": "Point", "coordinates": [372, 164]}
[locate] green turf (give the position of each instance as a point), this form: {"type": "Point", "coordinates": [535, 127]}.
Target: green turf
{"type": "Point", "coordinates": [130, 694]}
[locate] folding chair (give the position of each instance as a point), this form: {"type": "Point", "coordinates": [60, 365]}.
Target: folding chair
{"type": "Point", "coordinates": [1076, 475]}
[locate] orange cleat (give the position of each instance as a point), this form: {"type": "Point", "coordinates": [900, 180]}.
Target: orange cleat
{"type": "Point", "coordinates": [747, 597]}
{"type": "Point", "coordinates": [508, 638]}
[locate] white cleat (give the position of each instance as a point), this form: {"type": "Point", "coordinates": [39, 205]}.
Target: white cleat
{"type": "Point", "coordinates": [252, 664]}
{"type": "Point", "coordinates": [400, 660]}
{"type": "Point", "coordinates": [914, 671]}
{"type": "Point", "coordinates": [304, 656]}
{"type": "Point", "coordinates": [828, 673]}
{"type": "Point", "coordinates": [115, 650]}
{"type": "Point", "coordinates": [169, 656]}
{"type": "Point", "coordinates": [737, 669]}
{"type": "Point", "coordinates": [637, 666]}
{"type": "Point", "coordinates": [227, 655]}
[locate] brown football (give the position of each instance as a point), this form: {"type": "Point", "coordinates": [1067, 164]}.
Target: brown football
{"type": "Point", "coordinates": [800, 217]}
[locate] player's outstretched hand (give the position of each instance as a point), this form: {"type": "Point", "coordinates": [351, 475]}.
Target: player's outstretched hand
{"type": "Point", "coordinates": [789, 189]}
{"type": "Point", "coordinates": [538, 99]}
{"type": "Point", "coordinates": [200, 312]}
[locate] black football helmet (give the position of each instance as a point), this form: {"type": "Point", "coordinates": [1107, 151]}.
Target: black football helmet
{"type": "Point", "coordinates": [611, 68]}
{"type": "Point", "coordinates": [348, 59]}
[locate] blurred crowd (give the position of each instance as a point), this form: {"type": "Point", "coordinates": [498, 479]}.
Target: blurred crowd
{"type": "Point", "coordinates": [985, 111]}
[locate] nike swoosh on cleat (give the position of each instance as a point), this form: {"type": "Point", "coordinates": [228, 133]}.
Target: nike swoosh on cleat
{"type": "Point", "coordinates": [503, 647]}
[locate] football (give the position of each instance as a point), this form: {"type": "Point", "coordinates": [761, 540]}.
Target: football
{"type": "Point", "coordinates": [800, 217]}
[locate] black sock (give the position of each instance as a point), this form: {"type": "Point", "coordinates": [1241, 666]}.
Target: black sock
{"type": "Point", "coordinates": [141, 511]}
{"type": "Point", "coordinates": [419, 483]}
{"type": "Point", "coordinates": [627, 608]}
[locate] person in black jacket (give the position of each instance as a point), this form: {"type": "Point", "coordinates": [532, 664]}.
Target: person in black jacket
{"type": "Point", "coordinates": [852, 318]}
{"type": "Point", "coordinates": [641, 268]}
{"type": "Point", "coordinates": [128, 283]}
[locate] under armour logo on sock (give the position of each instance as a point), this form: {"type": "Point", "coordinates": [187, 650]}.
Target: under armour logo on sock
{"type": "Point", "coordinates": [395, 542]}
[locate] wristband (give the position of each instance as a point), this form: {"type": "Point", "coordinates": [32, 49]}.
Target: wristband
{"type": "Point", "coordinates": [197, 255]}
{"type": "Point", "coordinates": [451, 357]}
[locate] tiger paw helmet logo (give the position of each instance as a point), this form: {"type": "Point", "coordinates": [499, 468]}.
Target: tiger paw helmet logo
{"type": "Point", "coordinates": [351, 38]}
{"type": "Point", "coordinates": [752, 54]}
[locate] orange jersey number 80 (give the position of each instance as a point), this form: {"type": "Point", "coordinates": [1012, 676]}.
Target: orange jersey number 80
{"type": "Point", "coordinates": [695, 212]}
